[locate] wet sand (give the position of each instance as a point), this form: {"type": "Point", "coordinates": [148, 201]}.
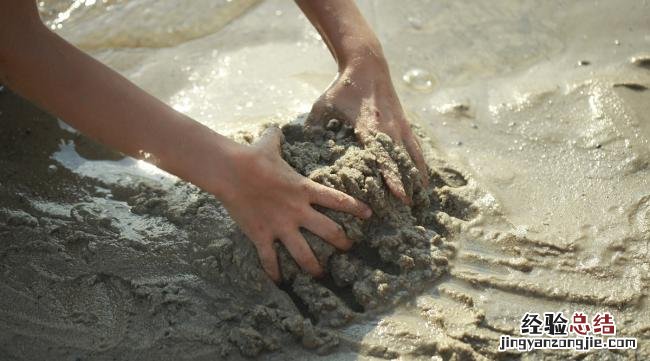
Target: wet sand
{"type": "Point", "coordinates": [537, 113]}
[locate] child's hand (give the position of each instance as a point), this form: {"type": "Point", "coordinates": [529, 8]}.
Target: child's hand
{"type": "Point", "coordinates": [363, 95]}
{"type": "Point", "coordinates": [269, 200]}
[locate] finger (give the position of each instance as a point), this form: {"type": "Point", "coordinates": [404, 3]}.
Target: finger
{"type": "Point", "coordinates": [316, 115]}
{"type": "Point", "coordinates": [363, 134]}
{"type": "Point", "coordinates": [327, 229]}
{"type": "Point", "coordinates": [333, 199]}
{"type": "Point", "coordinates": [394, 182]}
{"type": "Point", "coordinates": [271, 138]}
{"type": "Point", "coordinates": [389, 171]}
{"type": "Point", "coordinates": [300, 251]}
{"type": "Point", "coordinates": [415, 151]}
{"type": "Point", "coordinates": [322, 112]}
{"type": "Point", "coordinates": [268, 259]}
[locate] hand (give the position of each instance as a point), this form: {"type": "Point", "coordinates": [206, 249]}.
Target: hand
{"type": "Point", "coordinates": [269, 200]}
{"type": "Point", "coordinates": [363, 96]}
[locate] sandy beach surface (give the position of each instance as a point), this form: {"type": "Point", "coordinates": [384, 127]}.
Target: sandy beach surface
{"type": "Point", "coordinates": [536, 122]}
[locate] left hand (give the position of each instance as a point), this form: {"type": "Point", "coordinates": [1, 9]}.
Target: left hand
{"type": "Point", "coordinates": [363, 96]}
{"type": "Point", "coordinates": [270, 201]}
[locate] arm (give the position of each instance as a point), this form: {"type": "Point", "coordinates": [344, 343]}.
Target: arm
{"type": "Point", "coordinates": [363, 93]}
{"type": "Point", "coordinates": [251, 181]}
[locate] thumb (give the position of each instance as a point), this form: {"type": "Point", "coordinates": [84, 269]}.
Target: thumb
{"type": "Point", "coordinates": [271, 138]}
{"type": "Point", "coordinates": [323, 111]}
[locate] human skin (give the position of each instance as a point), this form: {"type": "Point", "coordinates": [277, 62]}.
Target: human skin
{"type": "Point", "coordinates": [252, 182]}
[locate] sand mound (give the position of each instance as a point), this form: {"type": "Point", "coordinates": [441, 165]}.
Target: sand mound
{"type": "Point", "coordinates": [396, 252]}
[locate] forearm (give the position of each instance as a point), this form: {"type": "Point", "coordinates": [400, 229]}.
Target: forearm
{"type": "Point", "coordinates": [102, 104]}
{"type": "Point", "coordinates": [344, 30]}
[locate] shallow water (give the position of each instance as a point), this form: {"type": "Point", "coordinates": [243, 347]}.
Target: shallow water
{"type": "Point", "coordinates": [539, 105]}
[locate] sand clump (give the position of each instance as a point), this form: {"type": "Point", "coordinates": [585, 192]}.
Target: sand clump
{"type": "Point", "coordinates": [397, 251]}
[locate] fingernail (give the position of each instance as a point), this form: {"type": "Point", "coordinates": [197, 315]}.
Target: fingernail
{"type": "Point", "coordinates": [367, 213]}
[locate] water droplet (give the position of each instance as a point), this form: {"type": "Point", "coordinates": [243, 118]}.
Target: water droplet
{"type": "Point", "coordinates": [416, 23]}
{"type": "Point", "coordinates": [419, 79]}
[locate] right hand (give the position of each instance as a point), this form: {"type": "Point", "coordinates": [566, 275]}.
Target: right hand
{"type": "Point", "coordinates": [271, 201]}
{"type": "Point", "coordinates": [363, 96]}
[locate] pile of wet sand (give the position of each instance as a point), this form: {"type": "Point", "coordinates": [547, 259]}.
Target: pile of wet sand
{"type": "Point", "coordinates": [397, 251]}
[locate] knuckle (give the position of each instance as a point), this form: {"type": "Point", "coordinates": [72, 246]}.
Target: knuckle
{"type": "Point", "coordinates": [306, 187]}
{"type": "Point", "coordinates": [344, 199]}
{"type": "Point", "coordinates": [339, 233]}
{"type": "Point", "coordinates": [405, 129]}
{"type": "Point", "coordinates": [267, 261]}
{"type": "Point", "coordinates": [266, 254]}
{"type": "Point", "coordinates": [330, 231]}
{"type": "Point", "coordinates": [305, 260]}
{"type": "Point", "coordinates": [358, 206]}
{"type": "Point", "coordinates": [301, 213]}
{"type": "Point", "coordinates": [321, 106]}
{"type": "Point", "coordinates": [291, 214]}
{"type": "Point", "coordinates": [258, 236]}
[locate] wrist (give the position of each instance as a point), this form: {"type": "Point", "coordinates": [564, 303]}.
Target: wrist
{"type": "Point", "coordinates": [365, 68]}
{"type": "Point", "coordinates": [200, 156]}
{"type": "Point", "coordinates": [221, 163]}
{"type": "Point", "coordinates": [368, 54]}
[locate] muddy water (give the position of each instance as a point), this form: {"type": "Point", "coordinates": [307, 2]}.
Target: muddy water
{"type": "Point", "coordinates": [540, 109]}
